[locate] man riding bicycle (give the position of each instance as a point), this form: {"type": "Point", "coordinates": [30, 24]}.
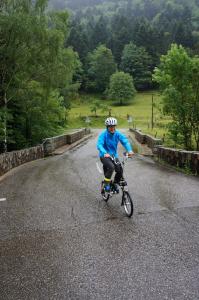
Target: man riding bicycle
{"type": "Point", "coordinates": [107, 145]}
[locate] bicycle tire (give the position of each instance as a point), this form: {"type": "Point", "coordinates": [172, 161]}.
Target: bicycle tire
{"type": "Point", "coordinates": [127, 203]}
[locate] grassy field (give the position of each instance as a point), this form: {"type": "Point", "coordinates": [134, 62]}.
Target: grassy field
{"type": "Point", "coordinates": [140, 109]}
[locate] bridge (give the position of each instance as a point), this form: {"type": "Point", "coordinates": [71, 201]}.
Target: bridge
{"type": "Point", "coordinates": [59, 240]}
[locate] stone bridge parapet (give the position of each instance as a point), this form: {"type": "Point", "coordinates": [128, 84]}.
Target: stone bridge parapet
{"type": "Point", "coordinates": [179, 158]}
{"type": "Point", "coordinates": [51, 144]}
{"type": "Point", "coordinates": [143, 138]}
{"type": "Point", "coordinates": [14, 159]}
{"type": "Point", "coordinates": [176, 157]}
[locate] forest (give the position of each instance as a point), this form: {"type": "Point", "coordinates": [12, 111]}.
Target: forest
{"type": "Point", "coordinates": [153, 25]}
{"type": "Point", "coordinates": [52, 50]}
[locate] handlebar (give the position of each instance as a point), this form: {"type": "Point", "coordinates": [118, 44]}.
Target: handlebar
{"type": "Point", "coordinates": [126, 155]}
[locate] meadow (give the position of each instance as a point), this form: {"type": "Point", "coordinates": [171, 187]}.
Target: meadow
{"type": "Point", "coordinates": [140, 110]}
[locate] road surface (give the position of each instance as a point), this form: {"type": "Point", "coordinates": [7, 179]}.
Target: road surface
{"type": "Point", "coordinates": [59, 240]}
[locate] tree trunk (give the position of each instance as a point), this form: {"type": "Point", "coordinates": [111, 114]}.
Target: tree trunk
{"type": "Point", "coordinates": [28, 130]}
{"type": "Point", "coordinates": [5, 123]}
{"type": "Point", "coordinates": [196, 136]}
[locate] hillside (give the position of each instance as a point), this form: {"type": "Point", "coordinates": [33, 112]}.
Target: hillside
{"type": "Point", "coordinates": [75, 4]}
{"type": "Point", "coordinates": [142, 6]}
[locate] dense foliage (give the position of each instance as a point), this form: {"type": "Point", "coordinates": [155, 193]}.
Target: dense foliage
{"type": "Point", "coordinates": [36, 72]}
{"type": "Point", "coordinates": [101, 66]}
{"type": "Point", "coordinates": [46, 56]}
{"type": "Point", "coordinates": [137, 32]}
{"type": "Point", "coordinates": [178, 76]}
{"type": "Point", "coordinates": [137, 63]}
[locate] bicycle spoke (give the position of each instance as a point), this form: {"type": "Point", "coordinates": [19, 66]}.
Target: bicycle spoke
{"type": "Point", "coordinates": [128, 204]}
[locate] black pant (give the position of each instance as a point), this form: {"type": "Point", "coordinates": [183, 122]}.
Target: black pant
{"type": "Point", "coordinates": [109, 166]}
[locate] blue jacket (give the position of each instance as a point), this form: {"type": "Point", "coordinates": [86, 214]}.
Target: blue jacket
{"type": "Point", "coordinates": [107, 143]}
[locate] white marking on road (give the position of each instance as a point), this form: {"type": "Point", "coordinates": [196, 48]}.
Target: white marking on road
{"type": "Point", "coordinates": [98, 168]}
{"type": "Point", "coordinates": [2, 199]}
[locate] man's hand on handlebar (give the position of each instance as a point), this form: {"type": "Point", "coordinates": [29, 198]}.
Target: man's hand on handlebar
{"type": "Point", "coordinates": [127, 154]}
{"type": "Point", "coordinates": [130, 154]}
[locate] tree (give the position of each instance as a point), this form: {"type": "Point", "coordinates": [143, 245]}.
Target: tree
{"type": "Point", "coordinates": [178, 77]}
{"type": "Point", "coordinates": [137, 62]}
{"type": "Point", "coordinates": [101, 66]}
{"type": "Point", "coordinates": [146, 35]}
{"type": "Point", "coordinates": [174, 22]}
{"type": "Point", "coordinates": [78, 40]}
{"type": "Point", "coordinates": [120, 36]}
{"type": "Point", "coordinates": [34, 68]}
{"type": "Point", "coordinates": [194, 107]}
{"type": "Point", "coordinates": [99, 33]}
{"type": "Point", "coordinates": [121, 88]}
{"type": "Point", "coordinates": [95, 106]}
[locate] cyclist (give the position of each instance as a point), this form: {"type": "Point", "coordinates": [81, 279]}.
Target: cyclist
{"type": "Point", "coordinates": [107, 145]}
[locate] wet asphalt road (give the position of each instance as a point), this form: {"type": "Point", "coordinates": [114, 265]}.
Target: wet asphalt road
{"type": "Point", "coordinates": [59, 240]}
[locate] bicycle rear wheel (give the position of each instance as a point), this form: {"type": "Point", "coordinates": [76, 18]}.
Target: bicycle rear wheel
{"type": "Point", "coordinates": [127, 203]}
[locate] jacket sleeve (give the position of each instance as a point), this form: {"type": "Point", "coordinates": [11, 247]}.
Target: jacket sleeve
{"type": "Point", "coordinates": [125, 142]}
{"type": "Point", "coordinates": [100, 144]}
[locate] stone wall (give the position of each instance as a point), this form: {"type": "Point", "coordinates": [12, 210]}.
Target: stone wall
{"type": "Point", "coordinates": [75, 136]}
{"type": "Point", "coordinates": [13, 159]}
{"type": "Point", "coordinates": [175, 157]}
{"type": "Point", "coordinates": [140, 137]}
{"type": "Point", "coordinates": [143, 138]}
{"type": "Point", "coordinates": [179, 158]}
{"type": "Point", "coordinates": [50, 144]}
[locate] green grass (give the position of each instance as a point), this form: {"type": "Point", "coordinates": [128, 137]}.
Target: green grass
{"type": "Point", "coordinates": [140, 109]}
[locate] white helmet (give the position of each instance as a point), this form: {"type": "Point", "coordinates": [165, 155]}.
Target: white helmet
{"type": "Point", "coordinates": [111, 122]}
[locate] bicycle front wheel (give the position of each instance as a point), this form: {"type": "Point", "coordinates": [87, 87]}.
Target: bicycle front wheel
{"type": "Point", "coordinates": [127, 203]}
